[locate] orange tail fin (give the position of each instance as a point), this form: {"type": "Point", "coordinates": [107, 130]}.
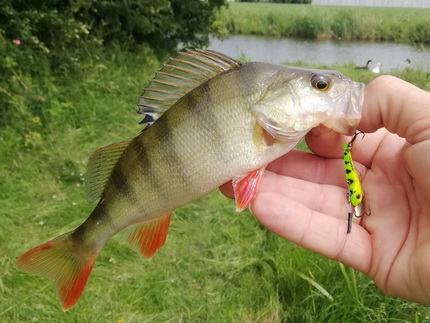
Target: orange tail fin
{"type": "Point", "coordinates": [58, 260]}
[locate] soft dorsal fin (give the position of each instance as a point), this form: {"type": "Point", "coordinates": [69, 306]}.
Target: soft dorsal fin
{"type": "Point", "coordinates": [179, 76]}
{"type": "Point", "coordinates": [99, 168]}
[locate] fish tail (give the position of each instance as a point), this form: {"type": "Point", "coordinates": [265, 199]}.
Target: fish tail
{"type": "Point", "coordinates": [60, 261]}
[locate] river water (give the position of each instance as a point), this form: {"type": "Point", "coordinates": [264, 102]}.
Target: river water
{"type": "Point", "coordinates": [324, 52]}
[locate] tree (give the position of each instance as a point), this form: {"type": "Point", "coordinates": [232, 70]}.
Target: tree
{"type": "Point", "coordinates": [55, 25]}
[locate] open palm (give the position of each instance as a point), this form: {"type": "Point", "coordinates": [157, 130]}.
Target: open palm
{"type": "Point", "coordinates": [302, 196]}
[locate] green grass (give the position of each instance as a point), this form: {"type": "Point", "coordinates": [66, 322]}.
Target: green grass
{"type": "Point", "coordinates": [288, 20]}
{"type": "Point", "coordinates": [216, 266]}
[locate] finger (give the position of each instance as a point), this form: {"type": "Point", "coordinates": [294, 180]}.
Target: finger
{"type": "Point", "coordinates": [306, 166]}
{"type": "Point", "coordinates": [325, 142]}
{"type": "Point", "coordinates": [398, 106]}
{"type": "Point", "coordinates": [328, 199]}
{"type": "Point", "coordinates": [323, 198]}
{"type": "Point", "coordinates": [403, 109]}
{"type": "Point", "coordinates": [315, 231]}
{"type": "Point", "coordinates": [417, 160]}
{"type": "Point", "coordinates": [302, 165]}
{"type": "Point", "coordinates": [330, 144]}
{"type": "Point", "coordinates": [227, 189]}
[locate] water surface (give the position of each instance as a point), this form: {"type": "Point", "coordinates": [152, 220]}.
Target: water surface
{"type": "Point", "coordinates": [323, 52]}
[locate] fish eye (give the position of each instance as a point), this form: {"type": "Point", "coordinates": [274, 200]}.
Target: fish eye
{"type": "Point", "coordinates": [320, 82]}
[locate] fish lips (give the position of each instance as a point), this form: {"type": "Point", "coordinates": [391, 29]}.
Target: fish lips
{"type": "Point", "coordinates": [347, 114]}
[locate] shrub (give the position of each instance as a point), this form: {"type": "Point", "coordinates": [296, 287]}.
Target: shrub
{"type": "Point", "coordinates": [51, 40]}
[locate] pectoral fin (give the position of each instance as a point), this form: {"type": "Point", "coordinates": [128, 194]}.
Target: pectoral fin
{"type": "Point", "coordinates": [245, 188]}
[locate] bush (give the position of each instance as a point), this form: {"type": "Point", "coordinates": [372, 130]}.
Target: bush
{"type": "Point", "coordinates": [51, 40]}
{"type": "Point", "coordinates": [57, 27]}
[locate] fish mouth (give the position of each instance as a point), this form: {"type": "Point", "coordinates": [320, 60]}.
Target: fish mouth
{"type": "Point", "coordinates": [347, 114]}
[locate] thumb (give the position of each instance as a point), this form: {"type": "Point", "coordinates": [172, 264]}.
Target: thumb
{"type": "Point", "coordinates": [398, 106]}
{"type": "Point", "coordinates": [403, 109]}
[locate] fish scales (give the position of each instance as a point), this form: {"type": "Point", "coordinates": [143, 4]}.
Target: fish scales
{"type": "Point", "coordinates": [237, 119]}
{"type": "Point", "coordinates": [167, 146]}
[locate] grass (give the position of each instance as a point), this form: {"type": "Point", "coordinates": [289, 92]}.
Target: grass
{"type": "Point", "coordinates": [216, 266]}
{"type": "Point", "coordinates": [289, 20]}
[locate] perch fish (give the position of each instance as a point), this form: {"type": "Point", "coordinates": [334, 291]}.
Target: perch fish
{"type": "Point", "coordinates": [208, 119]}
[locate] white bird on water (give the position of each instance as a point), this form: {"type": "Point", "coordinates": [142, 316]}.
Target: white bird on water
{"type": "Point", "coordinates": [377, 69]}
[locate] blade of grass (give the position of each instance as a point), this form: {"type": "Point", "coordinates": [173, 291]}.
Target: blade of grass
{"type": "Point", "coordinates": [321, 289]}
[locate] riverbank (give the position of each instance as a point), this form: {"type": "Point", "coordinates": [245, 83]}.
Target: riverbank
{"type": "Point", "coordinates": [326, 22]}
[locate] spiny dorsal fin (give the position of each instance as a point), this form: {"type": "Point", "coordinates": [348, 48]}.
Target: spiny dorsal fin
{"type": "Point", "coordinates": [179, 76]}
{"type": "Point", "coordinates": [99, 168]}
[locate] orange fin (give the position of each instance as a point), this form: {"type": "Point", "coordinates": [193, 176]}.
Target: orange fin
{"type": "Point", "coordinates": [245, 188]}
{"type": "Point", "coordinates": [58, 261]}
{"type": "Point", "coordinates": [150, 236]}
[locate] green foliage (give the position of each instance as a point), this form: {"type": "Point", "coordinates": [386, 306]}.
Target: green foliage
{"type": "Point", "coordinates": [344, 25]}
{"type": "Point", "coordinates": [419, 33]}
{"type": "Point", "coordinates": [293, 1]}
{"type": "Point", "coordinates": [361, 23]}
{"type": "Point", "coordinates": [58, 36]}
{"type": "Point", "coordinates": [45, 43]}
{"type": "Point", "coordinates": [307, 26]}
{"type": "Point", "coordinates": [161, 24]}
{"type": "Point", "coordinates": [280, 1]}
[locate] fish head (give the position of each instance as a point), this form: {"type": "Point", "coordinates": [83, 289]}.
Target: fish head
{"type": "Point", "coordinates": [297, 100]}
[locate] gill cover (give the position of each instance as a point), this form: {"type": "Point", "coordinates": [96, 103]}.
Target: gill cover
{"type": "Point", "coordinates": [300, 99]}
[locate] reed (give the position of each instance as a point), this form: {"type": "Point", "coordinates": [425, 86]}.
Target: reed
{"type": "Point", "coordinates": [358, 23]}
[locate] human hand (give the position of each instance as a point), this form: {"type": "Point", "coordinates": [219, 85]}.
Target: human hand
{"type": "Point", "coordinates": [302, 197]}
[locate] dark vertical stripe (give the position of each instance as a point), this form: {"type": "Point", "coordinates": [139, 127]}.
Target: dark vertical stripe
{"type": "Point", "coordinates": [206, 116]}
{"type": "Point", "coordinates": [170, 156]}
{"type": "Point", "coordinates": [119, 178]}
{"type": "Point", "coordinates": [144, 159]}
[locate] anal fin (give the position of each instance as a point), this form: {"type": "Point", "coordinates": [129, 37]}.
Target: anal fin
{"type": "Point", "coordinates": [150, 235]}
{"type": "Point", "coordinates": [245, 188]}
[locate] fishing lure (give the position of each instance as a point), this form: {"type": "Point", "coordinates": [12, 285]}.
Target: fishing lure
{"type": "Point", "coordinates": [355, 192]}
